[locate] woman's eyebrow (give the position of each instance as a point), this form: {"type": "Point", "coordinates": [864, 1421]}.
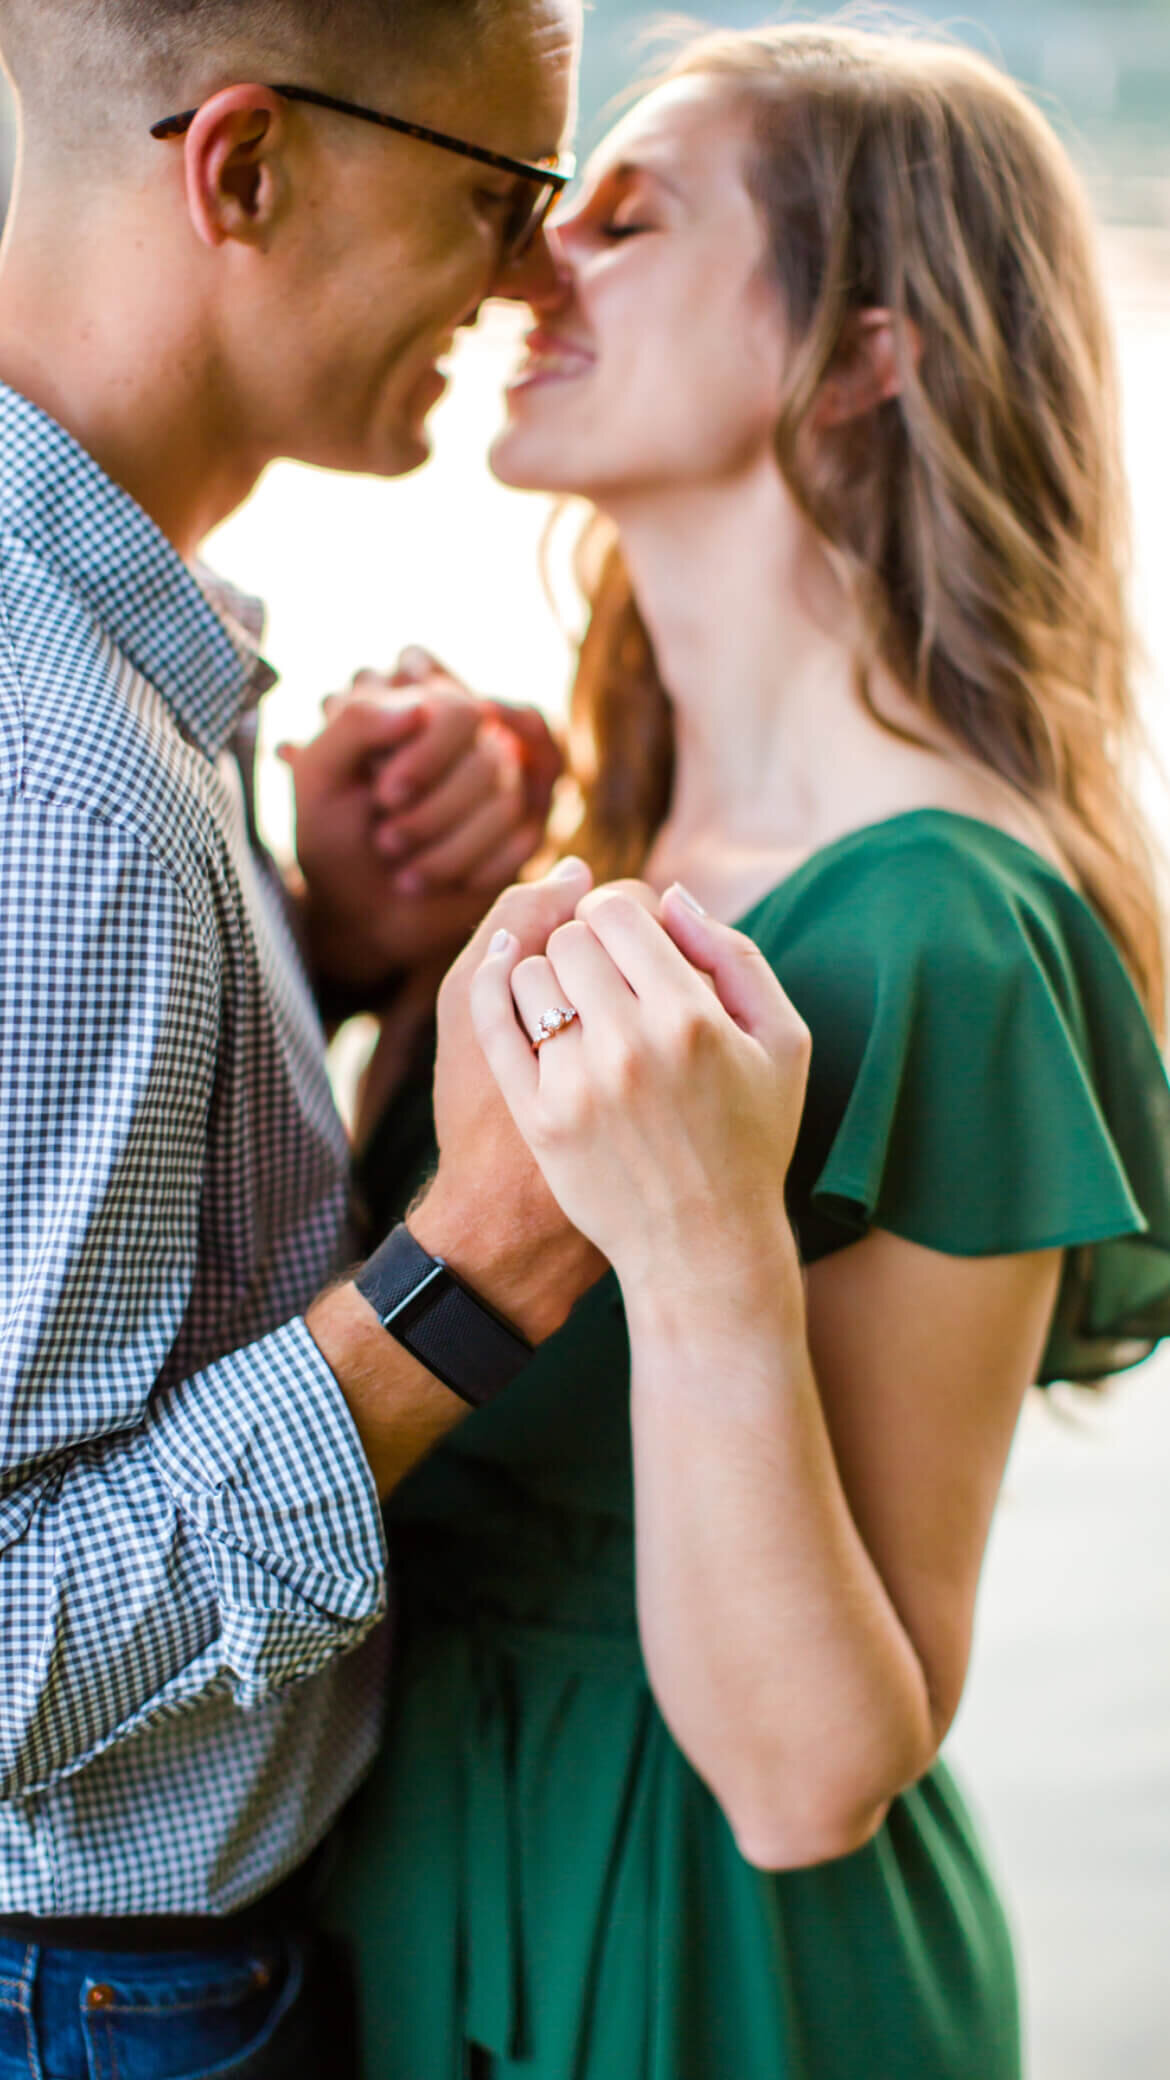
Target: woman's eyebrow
{"type": "Point", "coordinates": [632, 169]}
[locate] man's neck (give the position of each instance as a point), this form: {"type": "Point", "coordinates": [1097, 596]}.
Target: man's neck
{"type": "Point", "coordinates": [127, 373]}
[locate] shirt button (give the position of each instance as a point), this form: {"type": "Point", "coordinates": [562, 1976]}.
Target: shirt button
{"type": "Point", "coordinates": [99, 1997]}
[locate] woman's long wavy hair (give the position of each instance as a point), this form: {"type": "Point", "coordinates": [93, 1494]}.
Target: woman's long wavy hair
{"type": "Point", "coordinates": [979, 519]}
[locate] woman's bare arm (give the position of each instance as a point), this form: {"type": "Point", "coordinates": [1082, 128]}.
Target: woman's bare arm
{"type": "Point", "coordinates": [814, 1493]}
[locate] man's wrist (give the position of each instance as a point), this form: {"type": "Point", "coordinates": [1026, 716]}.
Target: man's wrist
{"type": "Point", "coordinates": [400, 1410]}
{"type": "Point", "coordinates": [422, 1302]}
{"type": "Point", "coordinates": [532, 1281]}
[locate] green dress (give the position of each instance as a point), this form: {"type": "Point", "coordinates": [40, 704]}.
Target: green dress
{"type": "Point", "coordinates": [534, 1867]}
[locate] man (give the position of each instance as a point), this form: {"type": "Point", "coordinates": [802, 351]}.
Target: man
{"type": "Point", "coordinates": [192, 1453]}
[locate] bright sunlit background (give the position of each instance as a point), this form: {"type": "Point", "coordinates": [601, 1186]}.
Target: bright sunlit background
{"type": "Point", "coordinates": [1064, 1741]}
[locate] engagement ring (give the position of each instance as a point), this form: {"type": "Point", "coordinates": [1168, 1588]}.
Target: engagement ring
{"type": "Point", "coordinates": [552, 1022]}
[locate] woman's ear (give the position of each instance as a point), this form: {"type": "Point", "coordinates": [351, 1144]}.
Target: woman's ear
{"type": "Point", "coordinates": [868, 368]}
{"type": "Point", "coordinates": [233, 165]}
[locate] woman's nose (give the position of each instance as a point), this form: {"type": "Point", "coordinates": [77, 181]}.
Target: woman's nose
{"type": "Point", "coordinates": [538, 276]}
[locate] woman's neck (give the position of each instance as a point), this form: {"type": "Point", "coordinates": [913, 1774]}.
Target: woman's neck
{"type": "Point", "coordinates": [752, 641]}
{"type": "Point", "coordinates": [775, 753]}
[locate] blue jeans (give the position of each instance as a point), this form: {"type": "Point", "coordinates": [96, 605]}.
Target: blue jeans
{"type": "Point", "coordinates": [263, 2011]}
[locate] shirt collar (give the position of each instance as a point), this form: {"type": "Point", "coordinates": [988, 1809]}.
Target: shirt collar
{"type": "Point", "coordinates": [190, 634]}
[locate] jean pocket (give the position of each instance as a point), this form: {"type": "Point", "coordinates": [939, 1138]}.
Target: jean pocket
{"type": "Point", "coordinates": [239, 2018]}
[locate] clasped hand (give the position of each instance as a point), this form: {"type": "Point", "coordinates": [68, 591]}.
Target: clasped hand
{"type": "Point", "coordinates": [416, 804]}
{"type": "Point", "coordinates": [663, 1118]}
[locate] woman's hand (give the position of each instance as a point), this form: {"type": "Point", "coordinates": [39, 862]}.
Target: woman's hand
{"type": "Point", "coordinates": [489, 1211]}
{"type": "Point", "coordinates": [665, 1115]}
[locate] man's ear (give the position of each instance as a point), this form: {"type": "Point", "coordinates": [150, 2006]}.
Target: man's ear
{"type": "Point", "coordinates": [233, 170]}
{"type": "Point", "coordinates": [867, 370]}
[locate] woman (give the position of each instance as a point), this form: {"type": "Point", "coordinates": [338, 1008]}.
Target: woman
{"type": "Point", "coordinates": [660, 1798]}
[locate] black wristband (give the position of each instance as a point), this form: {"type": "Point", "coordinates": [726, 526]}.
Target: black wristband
{"type": "Point", "coordinates": [440, 1321]}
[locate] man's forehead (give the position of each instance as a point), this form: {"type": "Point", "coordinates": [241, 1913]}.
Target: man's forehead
{"type": "Point", "coordinates": [515, 89]}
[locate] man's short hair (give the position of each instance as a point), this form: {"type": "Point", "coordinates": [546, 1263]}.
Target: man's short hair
{"type": "Point", "coordinates": [59, 52]}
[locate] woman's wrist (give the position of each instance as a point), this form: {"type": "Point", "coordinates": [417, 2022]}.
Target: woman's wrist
{"type": "Point", "coordinates": [747, 1277]}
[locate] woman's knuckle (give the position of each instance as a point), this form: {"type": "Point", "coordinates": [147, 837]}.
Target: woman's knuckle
{"type": "Point", "coordinates": [528, 971]}
{"type": "Point", "coordinates": [514, 908]}
{"type": "Point", "coordinates": [691, 1033]}
{"type": "Point", "coordinates": [608, 902]}
{"type": "Point", "coordinates": [624, 1072]}
{"type": "Point", "coordinates": [632, 894]}
{"type": "Point", "coordinates": [798, 1038]}
{"type": "Point", "coordinates": [567, 937]}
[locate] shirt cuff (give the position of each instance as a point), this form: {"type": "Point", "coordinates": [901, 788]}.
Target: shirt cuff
{"type": "Point", "coordinates": [264, 1462]}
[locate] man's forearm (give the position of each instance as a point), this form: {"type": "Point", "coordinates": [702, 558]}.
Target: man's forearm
{"type": "Point", "coordinates": [400, 1410]}
{"type": "Point", "coordinates": [242, 1527]}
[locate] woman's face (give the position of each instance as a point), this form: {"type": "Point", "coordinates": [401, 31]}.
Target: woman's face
{"type": "Point", "coordinates": [657, 362]}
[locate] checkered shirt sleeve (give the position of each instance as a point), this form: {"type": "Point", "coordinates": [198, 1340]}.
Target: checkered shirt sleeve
{"type": "Point", "coordinates": [222, 1535]}
{"type": "Point", "coordinates": [190, 1539]}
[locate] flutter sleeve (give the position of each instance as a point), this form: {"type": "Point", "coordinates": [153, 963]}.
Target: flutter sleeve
{"type": "Point", "coordinates": [984, 1079]}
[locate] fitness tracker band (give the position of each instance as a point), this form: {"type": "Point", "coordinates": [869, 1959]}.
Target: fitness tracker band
{"type": "Point", "coordinates": [440, 1321]}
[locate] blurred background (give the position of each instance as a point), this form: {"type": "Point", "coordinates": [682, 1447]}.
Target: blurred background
{"type": "Point", "coordinates": [1064, 1737]}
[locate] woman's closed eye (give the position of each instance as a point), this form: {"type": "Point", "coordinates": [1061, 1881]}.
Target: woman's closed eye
{"type": "Point", "coordinates": [619, 226]}
{"type": "Point", "coordinates": [623, 216]}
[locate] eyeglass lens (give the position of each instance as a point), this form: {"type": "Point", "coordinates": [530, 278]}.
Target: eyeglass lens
{"type": "Point", "coordinates": [529, 207]}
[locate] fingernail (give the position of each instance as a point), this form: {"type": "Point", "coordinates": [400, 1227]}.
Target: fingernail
{"type": "Point", "coordinates": [568, 869]}
{"type": "Point", "coordinates": [684, 895]}
{"type": "Point", "coordinates": [500, 942]}
{"type": "Point", "coordinates": [410, 883]}
{"type": "Point", "coordinates": [415, 660]}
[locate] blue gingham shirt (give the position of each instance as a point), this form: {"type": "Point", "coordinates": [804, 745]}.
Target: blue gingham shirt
{"type": "Point", "coordinates": [189, 1534]}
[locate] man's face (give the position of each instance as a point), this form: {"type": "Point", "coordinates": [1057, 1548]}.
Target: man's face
{"type": "Point", "coordinates": [394, 243]}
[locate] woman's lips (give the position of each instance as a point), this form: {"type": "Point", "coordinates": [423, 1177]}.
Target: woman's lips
{"type": "Point", "coordinates": [550, 359]}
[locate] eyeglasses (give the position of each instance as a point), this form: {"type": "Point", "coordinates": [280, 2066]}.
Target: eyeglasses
{"type": "Point", "coordinates": [538, 183]}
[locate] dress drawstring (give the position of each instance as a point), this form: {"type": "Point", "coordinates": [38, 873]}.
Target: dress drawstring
{"type": "Point", "coordinates": [496, 2008]}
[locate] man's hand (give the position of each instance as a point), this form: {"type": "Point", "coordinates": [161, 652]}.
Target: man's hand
{"type": "Point", "coordinates": [489, 1211]}
{"type": "Point", "coordinates": [415, 805]}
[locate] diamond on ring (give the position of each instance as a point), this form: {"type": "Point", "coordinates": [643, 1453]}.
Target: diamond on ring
{"type": "Point", "coordinates": [552, 1022]}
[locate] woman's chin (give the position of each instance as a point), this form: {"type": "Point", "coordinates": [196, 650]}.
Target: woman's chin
{"type": "Point", "coordinates": [527, 465]}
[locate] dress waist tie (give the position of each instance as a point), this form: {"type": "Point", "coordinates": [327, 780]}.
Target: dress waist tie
{"type": "Point", "coordinates": [495, 2012]}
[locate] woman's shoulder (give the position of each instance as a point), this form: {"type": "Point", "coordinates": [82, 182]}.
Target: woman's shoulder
{"type": "Point", "coordinates": [936, 947]}
{"type": "Point", "coordinates": [984, 1078]}
{"type": "Point", "coordinates": [948, 903]}
{"type": "Point", "coordinates": [913, 868]}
